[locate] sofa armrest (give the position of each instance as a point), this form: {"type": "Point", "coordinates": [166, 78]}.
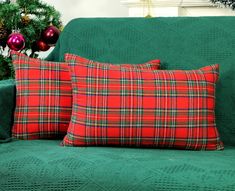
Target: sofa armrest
{"type": "Point", "coordinates": [7, 106]}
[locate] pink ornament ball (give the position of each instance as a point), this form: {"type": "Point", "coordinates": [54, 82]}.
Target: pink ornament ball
{"type": "Point", "coordinates": [16, 41]}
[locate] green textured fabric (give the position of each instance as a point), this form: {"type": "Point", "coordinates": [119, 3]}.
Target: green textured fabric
{"type": "Point", "coordinates": [180, 43]}
{"type": "Point", "coordinates": [7, 105]}
{"type": "Point", "coordinates": [43, 165]}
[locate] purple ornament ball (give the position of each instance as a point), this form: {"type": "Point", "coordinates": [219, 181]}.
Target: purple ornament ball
{"type": "Point", "coordinates": [16, 41]}
{"type": "Point", "coordinates": [50, 35]}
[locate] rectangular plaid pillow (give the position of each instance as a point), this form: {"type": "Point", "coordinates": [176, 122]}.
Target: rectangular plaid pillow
{"type": "Point", "coordinates": [150, 65]}
{"type": "Point", "coordinates": [44, 97]}
{"type": "Point", "coordinates": [131, 107]}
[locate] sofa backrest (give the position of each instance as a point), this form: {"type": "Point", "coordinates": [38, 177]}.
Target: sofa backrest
{"type": "Point", "coordinates": [180, 43]}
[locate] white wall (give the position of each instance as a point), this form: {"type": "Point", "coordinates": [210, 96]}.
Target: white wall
{"type": "Point", "coordinates": [71, 9]}
{"type": "Point", "coordinates": [175, 8]}
{"type": "Point", "coordinates": [206, 11]}
{"type": "Point", "coordinates": [181, 11]}
{"type": "Point", "coordinates": [88, 8]}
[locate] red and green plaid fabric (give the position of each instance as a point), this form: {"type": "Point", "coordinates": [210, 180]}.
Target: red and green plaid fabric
{"type": "Point", "coordinates": [43, 99]}
{"type": "Point", "coordinates": [130, 107]}
{"type": "Point", "coordinates": [151, 65]}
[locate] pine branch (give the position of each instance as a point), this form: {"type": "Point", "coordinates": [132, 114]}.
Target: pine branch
{"type": "Point", "coordinates": [225, 3]}
{"type": "Point", "coordinates": [40, 15]}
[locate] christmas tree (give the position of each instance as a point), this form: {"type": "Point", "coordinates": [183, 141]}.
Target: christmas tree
{"type": "Point", "coordinates": [226, 3]}
{"type": "Point", "coordinates": [28, 26]}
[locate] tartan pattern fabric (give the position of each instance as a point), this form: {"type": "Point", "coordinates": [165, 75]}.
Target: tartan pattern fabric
{"type": "Point", "coordinates": [141, 108]}
{"type": "Point", "coordinates": [43, 98]}
{"type": "Point", "coordinates": [151, 65]}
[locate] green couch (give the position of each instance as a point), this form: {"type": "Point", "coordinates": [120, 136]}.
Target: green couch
{"type": "Point", "coordinates": [181, 43]}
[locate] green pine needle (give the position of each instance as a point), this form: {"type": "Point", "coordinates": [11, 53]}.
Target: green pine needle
{"type": "Point", "coordinates": [226, 3]}
{"type": "Point", "coordinates": [41, 15]}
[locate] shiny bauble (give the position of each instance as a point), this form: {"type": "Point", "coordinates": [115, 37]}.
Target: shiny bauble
{"type": "Point", "coordinates": [16, 41]}
{"type": "Point", "coordinates": [50, 35]}
{"type": "Point", "coordinates": [42, 46]}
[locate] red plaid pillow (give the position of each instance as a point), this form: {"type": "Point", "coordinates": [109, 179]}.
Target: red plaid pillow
{"type": "Point", "coordinates": [151, 65]}
{"type": "Point", "coordinates": [43, 99]}
{"type": "Point", "coordinates": [131, 107]}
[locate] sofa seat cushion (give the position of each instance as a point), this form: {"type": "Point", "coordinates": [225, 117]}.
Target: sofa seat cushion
{"type": "Point", "coordinates": [43, 165]}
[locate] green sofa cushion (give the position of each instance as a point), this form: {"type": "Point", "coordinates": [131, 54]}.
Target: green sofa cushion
{"type": "Point", "coordinates": [43, 165]}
